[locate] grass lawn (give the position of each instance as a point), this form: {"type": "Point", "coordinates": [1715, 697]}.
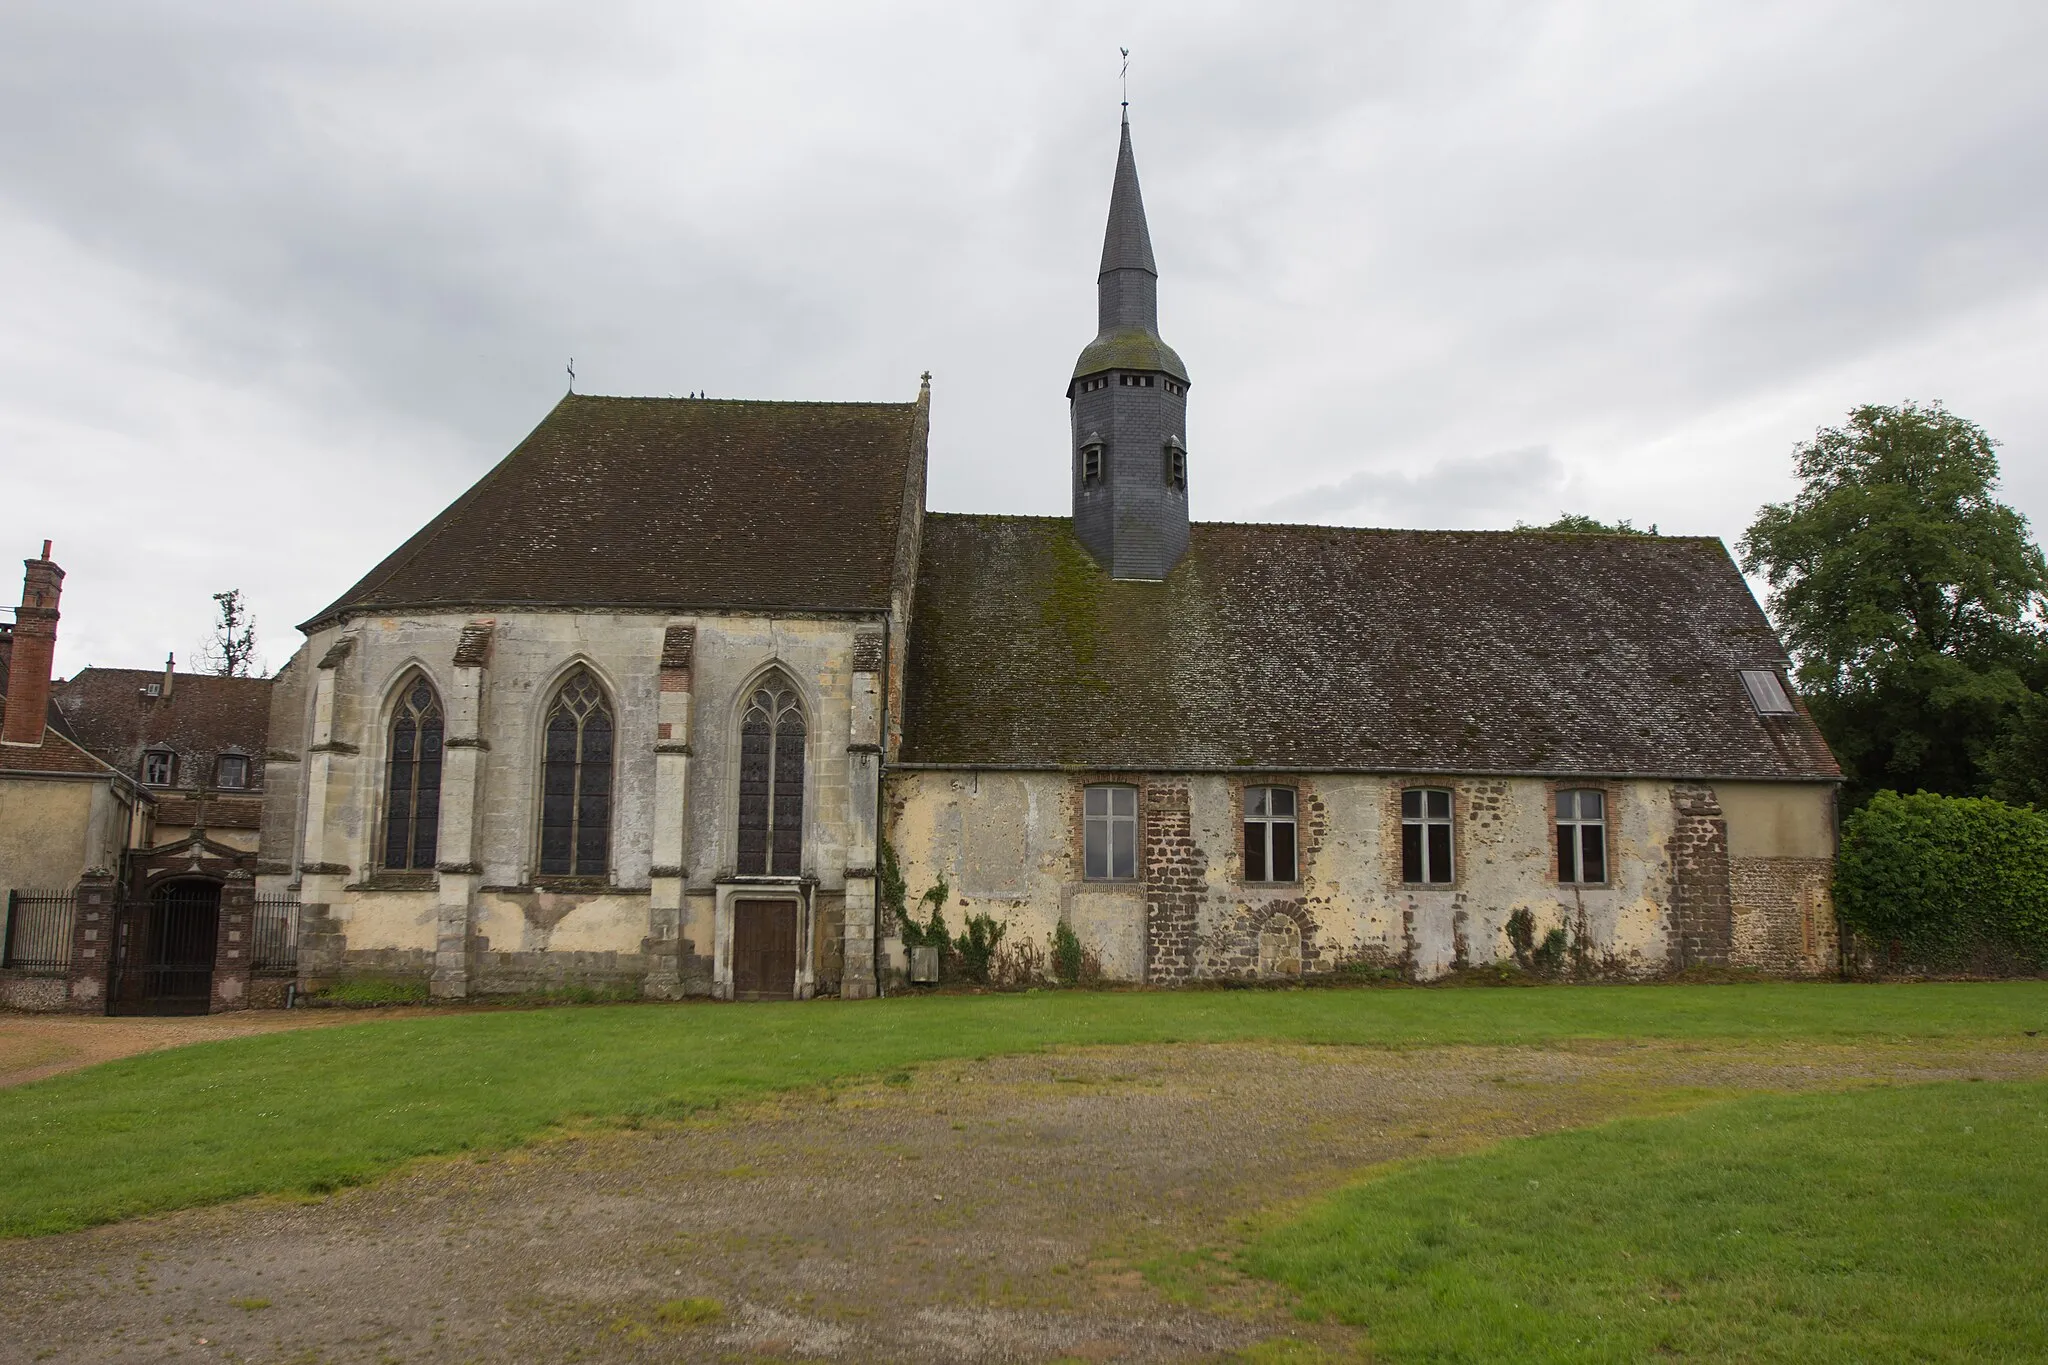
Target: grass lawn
{"type": "Point", "coordinates": [1887, 1224]}
{"type": "Point", "coordinates": [309, 1111]}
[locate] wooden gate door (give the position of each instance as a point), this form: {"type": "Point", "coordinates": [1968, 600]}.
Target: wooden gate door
{"type": "Point", "coordinates": [764, 950]}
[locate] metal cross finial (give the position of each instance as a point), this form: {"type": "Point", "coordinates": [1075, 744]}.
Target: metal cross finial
{"type": "Point", "coordinates": [1125, 76]}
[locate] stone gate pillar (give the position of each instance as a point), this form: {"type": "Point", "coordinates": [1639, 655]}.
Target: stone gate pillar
{"type": "Point", "coordinates": [92, 943]}
{"type": "Point", "coordinates": [231, 947]}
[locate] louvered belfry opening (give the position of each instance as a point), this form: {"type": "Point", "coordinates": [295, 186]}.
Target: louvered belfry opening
{"type": "Point", "coordinates": [412, 788]}
{"type": "Point", "coordinates": [576, 781]}
{"type": "Point", "coordinates": [772, 736]}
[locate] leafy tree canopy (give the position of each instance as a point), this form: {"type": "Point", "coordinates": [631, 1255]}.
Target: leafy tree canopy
{"type": "Point", "coordinates": [1910, 596]}
{"type": "Point", "coordinates": [1573, 521]}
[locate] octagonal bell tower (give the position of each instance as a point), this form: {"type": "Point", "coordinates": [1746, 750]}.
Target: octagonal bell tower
{"type": "Point", "coordinates": [1128, 401]}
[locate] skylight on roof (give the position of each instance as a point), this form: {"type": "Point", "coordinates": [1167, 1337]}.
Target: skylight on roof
{"type": "Point", "coordinates": [1766, 691]}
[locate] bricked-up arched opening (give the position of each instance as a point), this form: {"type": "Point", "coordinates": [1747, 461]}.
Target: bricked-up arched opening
{"type": "Point", "coordinates": [412, 778]}
{"type": "Point", "coordinates": [164, 950]}
{"type": "Point", "coordinates": [771, 805]}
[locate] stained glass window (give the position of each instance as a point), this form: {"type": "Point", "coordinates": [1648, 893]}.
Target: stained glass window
{"type": "Point", "coordinates": [412, 784]}
{"type": "Point", "coordinates": [772, 736]}
{"type": "Point", "coordinates": [576, 781]}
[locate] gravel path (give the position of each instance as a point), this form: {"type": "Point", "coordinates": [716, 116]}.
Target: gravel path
{"type": "Point", "coordinates": [978, 1210]}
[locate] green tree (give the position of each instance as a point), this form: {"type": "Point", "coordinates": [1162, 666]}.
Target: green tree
{"type": "Point", "coordinates": [1910, 596]}
{"type": "Point", "coordinates": [1585, 525]}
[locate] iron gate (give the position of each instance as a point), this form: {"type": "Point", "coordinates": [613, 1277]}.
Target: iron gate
{"type": "Point", "coordinates": [163, 951]}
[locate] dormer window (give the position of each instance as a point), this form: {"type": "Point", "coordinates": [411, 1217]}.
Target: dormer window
{"type": "Point", "coordinates": [156, 768]}
{"type": "Point", "coordinates": [1091, 460]}
{"type": "Point", "coordinates": [1176, 464]}
{"type": "Point", "coordinates": [233, 771]}
{"type": "Point", "coordinates": [1766, 691]}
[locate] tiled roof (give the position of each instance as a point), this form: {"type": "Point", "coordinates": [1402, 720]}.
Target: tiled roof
{"type": "Point", "coordinates": [58, 753]}
{"type": "Point", "coordinates": [1328, 649]}
{"type": "Point", "coordinates": [204, 717]}
{"type": "Point", "coordinates": [670, 504]}
{"type": "Point", "coordinates": [213, 813]}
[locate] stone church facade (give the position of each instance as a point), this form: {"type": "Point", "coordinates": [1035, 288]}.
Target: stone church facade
{"type": "Point", "coordinates": [639, 709]}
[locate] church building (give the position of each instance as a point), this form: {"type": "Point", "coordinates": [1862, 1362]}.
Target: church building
{"type": "Point", "coordinates": [646, 708]}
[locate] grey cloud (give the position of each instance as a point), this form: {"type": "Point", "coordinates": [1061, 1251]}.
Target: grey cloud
{"type": "Point", "coordinates": [339, 257]}
{"type": "Point", "coordinates": [1467, 491]}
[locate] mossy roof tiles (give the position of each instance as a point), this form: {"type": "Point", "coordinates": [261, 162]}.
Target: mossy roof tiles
{"type": "Point", "coordinates": [665, 504]}
{"type": "Point", "coordinates": [1317, 648]}
{"type": "Point", "coordinates": [205, 716]}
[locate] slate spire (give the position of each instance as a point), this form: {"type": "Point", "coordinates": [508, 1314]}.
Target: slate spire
{"type": "Point", "coordinates": [1128, 399]}
{"type": "Point", "coordinates": [1127, 287]}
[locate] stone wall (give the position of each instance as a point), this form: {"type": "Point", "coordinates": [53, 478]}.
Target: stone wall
{"type": "Point", "coordinates": [485, 916]}
{"type": "Point", "coordinates": [1008, 844]}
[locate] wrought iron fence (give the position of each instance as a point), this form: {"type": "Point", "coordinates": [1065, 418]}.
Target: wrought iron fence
{"type": "Point", "coordinates": [39, 930]}
{"type": "Point", "coordinates": [274, 938]}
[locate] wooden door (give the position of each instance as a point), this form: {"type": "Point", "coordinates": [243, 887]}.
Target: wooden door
{"type": "Point", "coordinates": [764, 950]}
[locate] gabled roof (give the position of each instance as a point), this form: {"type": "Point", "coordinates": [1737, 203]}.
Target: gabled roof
{"type": "Point", "coordinates": [58, 753]}
{"type": "Point", "coordinates": [1325, 649]}
{"type": "Point", "coordinates": [670, 504]}
{"type": "Point", "coordinates": [204, 717]}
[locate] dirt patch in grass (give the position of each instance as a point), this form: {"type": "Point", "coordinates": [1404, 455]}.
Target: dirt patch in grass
{"type": "Point", "coordinates": [1069, 1205]}
{"type": "Point", "coordinates": [33, 1046]}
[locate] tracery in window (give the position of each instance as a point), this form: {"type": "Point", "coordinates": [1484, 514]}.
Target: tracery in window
{"type": "Point", "coordinates": [1425, 835]}
{"type": "Point", "coordinates": [412, 781]}
{"type": "Point", "coordinates": [1581, 837]}
{"type": "Point", "coordinates": [576, 781]}
{"type": "Point", "coordinates": [772, 737]}
{"type": "Point", "coordinates": [1269, 834]}
{"type": "Point", "coordinates": [1110, 833]}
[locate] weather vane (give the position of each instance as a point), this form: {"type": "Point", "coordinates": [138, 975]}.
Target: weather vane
{"type": "Point", "coordinates": [1125, 76]}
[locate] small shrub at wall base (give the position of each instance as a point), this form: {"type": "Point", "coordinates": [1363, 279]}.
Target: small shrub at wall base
{"type": "Point", "coordinates": [360, 991]}
{"type": "Point", "coordinates": [977, 947]}
{"type": "Point", "coordinates": [1955, 883]}
{"type": "Point", "coordinates": [1066, 954]}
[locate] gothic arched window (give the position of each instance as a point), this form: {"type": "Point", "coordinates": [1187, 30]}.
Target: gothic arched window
{"type": "Point", "coordinates": [772, 781]}
{"type": "Point", "coordinates": [412, 782]}
{"type": "Point", "coordinates": [576, 781]}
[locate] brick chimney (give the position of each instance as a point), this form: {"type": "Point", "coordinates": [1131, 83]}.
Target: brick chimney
{"type": "Point", "coordinates": [34, 649]}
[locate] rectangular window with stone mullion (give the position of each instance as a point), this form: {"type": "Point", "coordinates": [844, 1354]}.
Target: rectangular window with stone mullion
{"type": "Point", "coordinates": [1426, 836]}
{"type": "Point", "coordinates": [1110, 833]}
{"type": "Point", "coordinates": [1581, 837]}
{"type": "Point", "coordinates": [1269, 830]}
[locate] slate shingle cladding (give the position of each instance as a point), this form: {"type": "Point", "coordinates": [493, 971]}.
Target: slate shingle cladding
{"type": "Point", "coordinates": [1332, 649]}
{"type": "Point", "coordinates": [669, 504]}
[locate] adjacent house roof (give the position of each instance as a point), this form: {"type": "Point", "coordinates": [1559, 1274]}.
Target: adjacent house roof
{"type": "Point", "coordinates": [671, 504]}
{"type": "Point", "coordinates": [110, 713]}
{"type": "Point", "coordinates": [60, 751]}
{"type": "Point", "coordinates": [1320, 648]}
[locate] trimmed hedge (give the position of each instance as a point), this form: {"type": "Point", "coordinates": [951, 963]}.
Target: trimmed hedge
{"type": "Point", "coordinates": [1955, 882]}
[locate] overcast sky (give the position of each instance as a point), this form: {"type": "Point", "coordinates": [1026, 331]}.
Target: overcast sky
{"type": "Point", "coordinates": [276, 284]}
